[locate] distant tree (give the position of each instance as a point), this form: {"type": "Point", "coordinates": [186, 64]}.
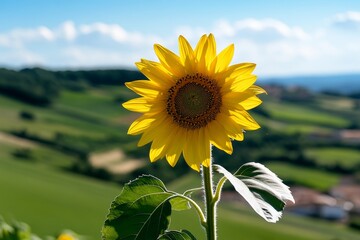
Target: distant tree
{"type": "Point", "coordinates": [27, 115]}
{"type": "Point", "coordinates": [23, 153]}
{"type": "Point", "coordinates": [40, 86]}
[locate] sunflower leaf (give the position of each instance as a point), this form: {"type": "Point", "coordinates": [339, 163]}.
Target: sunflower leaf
{"type": "Point", "coordinates": [179, 204]}
{"type": "Point", "coordinates": [261, 188]}
{"type": "Point", "coordinates": [141, 211]}
{"type": "Point", "coordinates": [177, 235]}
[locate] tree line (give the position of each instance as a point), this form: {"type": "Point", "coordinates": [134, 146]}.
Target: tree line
{"type": "Point", "coordinates": [40, 86]}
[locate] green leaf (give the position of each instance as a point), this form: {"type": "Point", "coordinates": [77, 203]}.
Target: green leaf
{"type": "Point", "coordinates": [261, 188]}
{"type": "Point", "coordinates": [141, 211]}
{"type": "Point", "coordinates": [176, 235]}
{"type": "Point", "coordinates": [179, 204]}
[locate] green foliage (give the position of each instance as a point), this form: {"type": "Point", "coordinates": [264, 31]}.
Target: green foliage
{"type": "Point", "coordinates": [141, 211]}
{"type": "Point", "coordinates": [354, 222]}
{"type": "Point", "coordinates": [40, 87]}
{"type": "Point", "coordinates": [99, 77]}
{"type": "Point", "coordinates": [177, 235]}
{"type": "Point", "coordinates": [28, 86]}
{"type": "Point", "coordinates": [42, 195]}
{"type": "Point", "coordinates": [25, 115]}
{"type": "Point", "coordinates": [261, 188]}
{"type": "Point", "coordinates": [24, 153]}
{"type": "Point", "coordinates": [22, 231]}
{"type": "Point", "coordinates": [16, 231]}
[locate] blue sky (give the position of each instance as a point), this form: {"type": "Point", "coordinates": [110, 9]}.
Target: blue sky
{"type": "Point", "coordinates": [282, 37]}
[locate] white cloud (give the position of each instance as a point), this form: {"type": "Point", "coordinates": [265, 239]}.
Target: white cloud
{"type": "Point", "coordinates": [346, 21]}
{"type": "Point", "coordinates": [21, 57]}
{"type": "Point", "coordinates": [349, 16]}
{"type": "Point", "coordinates": [67, 31]}
{"type": "Point", "coordinates": [277, 47]}
{"type": "Point", "coordinates": [18, 37]}
{"type": "Point", "coordinates": [260, 26]}
{"type": "Point", "coordinates": [116, 33]}
{"type": "Point", "coordinates": [83, 56]}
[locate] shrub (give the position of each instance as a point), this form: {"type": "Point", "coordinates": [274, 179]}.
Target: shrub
{"type": "Point", "coordinates": [25, 115]}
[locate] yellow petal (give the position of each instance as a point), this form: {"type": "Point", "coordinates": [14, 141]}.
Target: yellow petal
{"type": "Point", "coordinates": [144, 88]}
{"type": "Point", "coordinates": [233, 71]}
{"type": "Point", "coordinates": [218, 137]}
{"type": "Point", "coordinates": [257, 90]}
{"type": "Point", "coordinates": [146, 137]}
{"type": "Point", "coordinates": [244, 68]}
{"type": "Point", "coordinates": [231, 99]}
{"type": "Point", "coordinates": [233, 129]}
{"type": "Point", "coordinates": [191, 150]}
{"type": "Point", "coordinates": [243, 118]}
{"type": "Point", "coordinates": [239, 83]}
{"type": "Point", "coordinates": [156, 150]}
{"type": "Point", "coordinates": [200, 46]}
{"type": "Point", "coordinates": [250, 103]}
{"type": "Point", "coordinates": [169, 60]}
{"type": "Point", "coordinates": [241, 100]}
{"type": "Point", "coordinates": [186, 55]}
{"type": "Point", "coordinates": [155, 72]}
{"type": "Point", "coordinates": [138, 105]}
{"type": "Point", "coordinates": [172, 157]}
{"type": "Point", "coordinates": [140, 125]}
{"type": "Point", "coordinates": [176, 146]}
{"type": "Point", "coordinates": [210, 52]}
{"type": "Point", "coordinates": [224, 58]}
{"type": "Point", "coordinates": [200, 52]}
{"type": "Point", "coordinates": [161, 142]}
{"type": "Point", "coordinates": [151, 132]}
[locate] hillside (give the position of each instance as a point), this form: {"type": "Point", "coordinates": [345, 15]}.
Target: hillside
{"type": "Point", "coordinates": [69, 156]}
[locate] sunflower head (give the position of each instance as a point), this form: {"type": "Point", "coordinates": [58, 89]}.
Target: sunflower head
{"type": "Point", "coordinates": [192, 101]}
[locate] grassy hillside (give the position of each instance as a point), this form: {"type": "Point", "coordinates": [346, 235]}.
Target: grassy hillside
{"type": "Point", "coordinates": [50, 199]}
{"type": "Point", "coordinates": [41, 190]}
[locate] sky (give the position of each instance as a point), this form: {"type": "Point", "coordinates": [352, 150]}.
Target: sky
{"type": "Point", "coordinates": [284, 38]}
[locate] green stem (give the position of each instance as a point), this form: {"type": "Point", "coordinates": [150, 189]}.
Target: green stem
{"type": "Point", "coordinates": [192, 190]}
{"type": "Point", "coordinates": [218, 189]}
{"type": "Point", "coordinates": [210, 203]}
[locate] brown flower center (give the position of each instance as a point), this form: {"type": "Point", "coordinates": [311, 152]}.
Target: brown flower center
{"type": "Point", "coordinates": [194, 101]}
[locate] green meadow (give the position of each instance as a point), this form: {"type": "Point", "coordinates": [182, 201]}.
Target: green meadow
{"type": "Point", "coordinates": [50, 200]}
{"type": "Point", "coordinates": [42, 190]}
{"type": "Point", "coordinates": [327, 156]}
{"type": "Point", "coordinates": [310, 177]}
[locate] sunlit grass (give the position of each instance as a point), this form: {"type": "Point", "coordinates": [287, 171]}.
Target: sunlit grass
{"type": "Point", "coordinates": [49, 121]}
{"type": "Point", "coordinates": [301, 114]}
{"type": "Point", "coordinates": [50, 200]}
{"type": "Point", "coordinates": [331, 156]}
{"type": "Point", "coordinates": [310, 177]}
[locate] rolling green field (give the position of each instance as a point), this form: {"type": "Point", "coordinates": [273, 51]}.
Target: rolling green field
{"type": "Point", "coordinates": [335, 156]}
{"type": "Point", "coordinates": [40, 192]}
{"type": "Point", "coordinates": [50, 200]}
{"type": "Point", "coordinates": [309, 177]}
{"type": "Point", "coordinates": [295, 113]}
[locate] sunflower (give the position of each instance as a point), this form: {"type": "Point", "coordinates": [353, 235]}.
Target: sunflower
{"type": "Point", "coordinates": [193, 101]}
